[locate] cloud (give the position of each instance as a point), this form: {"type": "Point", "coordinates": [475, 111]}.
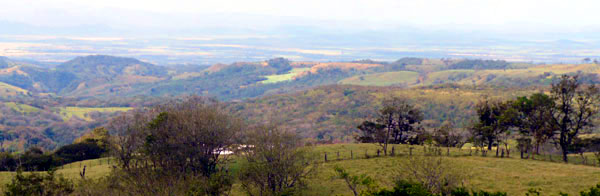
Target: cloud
{"type": "Point", "coordinates": [446, 14]}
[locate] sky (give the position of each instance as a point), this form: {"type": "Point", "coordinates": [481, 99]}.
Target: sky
{"type": "Point", "coordinates": [465, 15]}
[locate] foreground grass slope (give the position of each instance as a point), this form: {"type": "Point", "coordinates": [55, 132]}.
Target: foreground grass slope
{"type": "Point", "coordinates": [512, 175]}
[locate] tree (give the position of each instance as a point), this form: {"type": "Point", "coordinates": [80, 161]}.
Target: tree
{"type": "Point", "coordinates": [397, 119]}
{"type": "Point", "coordinates": [371, 132]}
{"type": "Point", "coordinates": [276, 163]}
{"type": "Point", "coordinates": [436, 174]}
{"type": "Point", "coordinates": [359, 185]}
{"type": "Point", "coordinates": [493, 120]}
{"type": "Point", "coordinates": [175, 148]}
{"type": "Point", "coordinates": [447, 136]}
{"type": "Point", "coordinates": [575, 107]}
{"type": "Point", "coordinates": [534, 118]}
{"type": "Point", "coordinates": [39, 185]}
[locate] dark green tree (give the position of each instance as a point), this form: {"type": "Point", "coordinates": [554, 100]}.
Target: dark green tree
{"type": "Point", "coordinates": [575, 107]}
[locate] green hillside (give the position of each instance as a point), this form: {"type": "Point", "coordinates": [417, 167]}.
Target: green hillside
{"type": "Point", "coordinates": [83, 112]}
{"type": "Point", "coordinates": [512, 175]}
{"type": "Point", "coordinates": [284, 77]}
{"type": "Point", "coordinates": [22, 108]}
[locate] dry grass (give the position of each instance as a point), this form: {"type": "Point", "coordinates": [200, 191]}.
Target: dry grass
{"type": "Point", "coordinates": [512, 175]}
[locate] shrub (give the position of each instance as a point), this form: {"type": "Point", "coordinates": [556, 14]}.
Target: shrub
{"type": "Point", "coordinates": [88, 149]}
{"type": "Point", "coordinates": [38, 185]}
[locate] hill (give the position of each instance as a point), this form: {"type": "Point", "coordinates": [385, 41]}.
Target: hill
{"type": "Point", "coordinates": [331, 113]}
{"type": "Point", "coordinates": [110, 66]}
{"type": "Point", "coordinates": [512, 175]}
{"type": "Point", "coordinates": [399, 78]}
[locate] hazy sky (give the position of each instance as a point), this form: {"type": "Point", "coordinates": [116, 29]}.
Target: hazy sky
{"type": "Point", "coordinates": [496, 15]}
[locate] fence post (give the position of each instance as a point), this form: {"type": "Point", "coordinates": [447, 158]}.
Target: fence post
{"type": "Point", "coordinates": [351, 155]}
{"type": "Point", "coordinates": [448, 151]}
{"type": "Point", "coordinates": [338, 155]}
{"type": "Point", "coordinates": [393, 149]}
{"type": "Point", "coordinates": [325, 156]}
{"type": "Point", "coordinates": [377, 152]}
{"type": "Point", "coordinates": [410, 151]}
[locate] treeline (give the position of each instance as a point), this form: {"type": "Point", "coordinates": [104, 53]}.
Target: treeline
{"type": "Point", "coordinates": [560, 118]}
{"type": "Point", "coordinates": [35, 159]}
{"type": "Point", "coordinates": [183, 148]}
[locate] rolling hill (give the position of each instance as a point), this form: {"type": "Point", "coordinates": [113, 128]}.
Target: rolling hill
{"type": "Point", "coordinates": [398, 78]}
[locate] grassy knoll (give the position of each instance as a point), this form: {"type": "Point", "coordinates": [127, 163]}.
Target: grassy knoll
{"type": "Point", "coordinates": [94, 169]}
{"type": "Point", "coordinates": [383, 79]}
{"type": "Point", "coordinates": [512, 175]}
{"type": "Point", "coordinates": [82, 112]}
{"type": "Point", "coordinates": [22, 108]}
{"type": "Point", "coordinates": [284, 77]}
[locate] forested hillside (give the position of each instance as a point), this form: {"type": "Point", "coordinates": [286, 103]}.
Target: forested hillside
{"type": "Point", "coordinates": [332, 113]}
{"type": "Point", "coordinates": [323, 101]}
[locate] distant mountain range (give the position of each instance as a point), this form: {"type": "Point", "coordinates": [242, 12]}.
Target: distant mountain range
{"type": "Point", "coordinates": [101, 76]}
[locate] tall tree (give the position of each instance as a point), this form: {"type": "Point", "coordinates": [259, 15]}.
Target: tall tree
{"type": "Point", "coordinates": [398, 117]}
{"type": "Point", "coordinates": [534, 117]}
{"type": "Point", "coordinates": [493, 120]}
{"type": "Point", "coordinates": [576, 105]}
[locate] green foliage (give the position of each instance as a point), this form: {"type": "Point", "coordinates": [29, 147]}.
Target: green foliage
{"type": "Point", "coordinates": [359, 185]}
{"type": "Point", "coordinates": [89, 149]}
{"type": "Point", "coordinates": [275, 163]}
{"type": "Point", "coordinates": [480, 64]}
{"type": "Point", "coordinates": [405, 188]}
{"type": "Point", "coordinates": [594, 191]}
{"type": "Point", "coordinates": [39, 185]}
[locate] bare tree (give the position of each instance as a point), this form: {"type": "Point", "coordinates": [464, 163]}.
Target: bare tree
{"type": "Point", "coordinates": [175, 148]}
{"type": "Point", "coordinates": [437, 174]}
{"type": "Point", "coordinates": [576, 105]}
{"type": "Point", "coordinates": [276, 163]}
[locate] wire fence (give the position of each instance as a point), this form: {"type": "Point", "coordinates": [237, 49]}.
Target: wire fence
{"type": "Point", "coordinates": [587, 159]}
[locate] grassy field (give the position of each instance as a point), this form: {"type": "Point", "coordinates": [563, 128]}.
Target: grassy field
{"type": "Point", "coordinates": [82, 112]}
{"type": "Point", "coordinates": [94, 169]}
{"type": "Point", "coordinates": [22, 108]}
{"type": "Point", "coordinates": [383, 79]}
{"type": "Point", "coordinates": [512, 175]}
{"type": "Point", "coordinates": [284, 77]}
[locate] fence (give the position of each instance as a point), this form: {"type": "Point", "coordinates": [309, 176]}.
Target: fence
{"type": "Point", "coordinates": [410, 150]}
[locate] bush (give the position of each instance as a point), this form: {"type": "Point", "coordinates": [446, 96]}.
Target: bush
{"type": "Point", "coordinates": [35, 159]}
{"type": "Point", "coordinates": [594, 191]}
{"type": "Point", "coordinates": [436, 174]}
{"type": "Point", "coordinates": [38, 185]}
{"type": "Point", "coordinates": [88, 149]}
{"type": "Point", "coordinates": [7, 162]}
{"type": "Point", "coordinates": [405, 188]}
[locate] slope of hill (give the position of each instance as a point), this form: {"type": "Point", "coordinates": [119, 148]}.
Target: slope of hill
{"type": "Point", "coordinates": [331, 113]}
{"type": "Point", "coordinates": [109, 66]}
{"type": "Point", "coordinates": [399, 78]}
{"type": "Point", "coordinates": [512, 175]}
